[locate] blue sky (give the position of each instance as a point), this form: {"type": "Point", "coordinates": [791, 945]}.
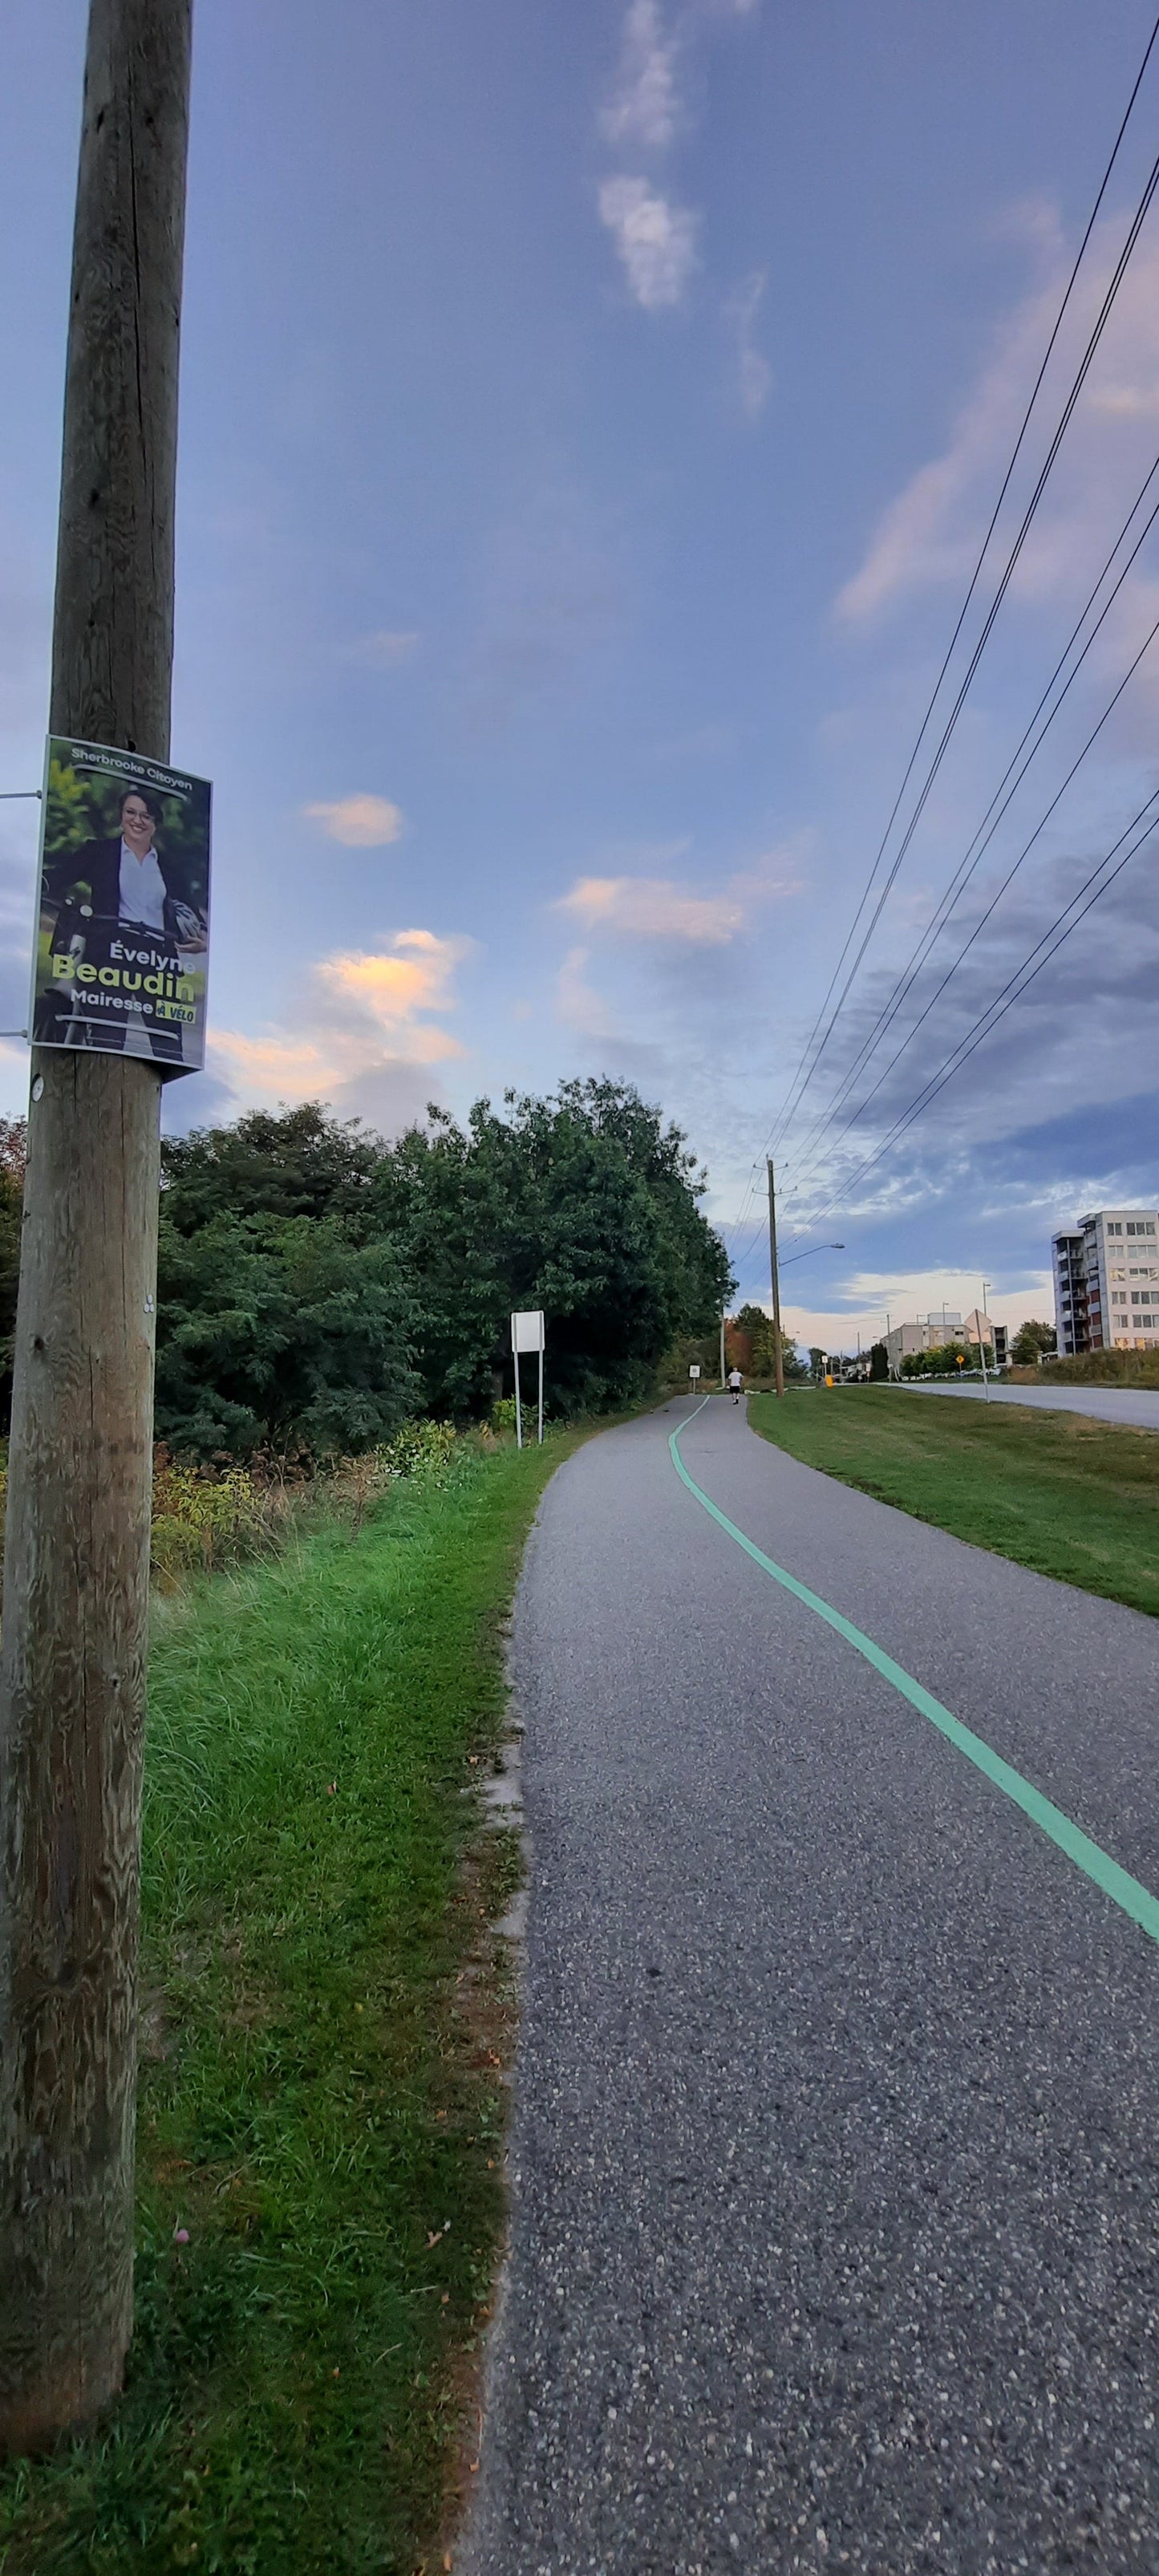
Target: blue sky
{"type": "Point", "coordinates": [589, 419]}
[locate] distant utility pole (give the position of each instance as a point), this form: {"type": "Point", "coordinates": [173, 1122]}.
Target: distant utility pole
{"type": "Point", "coordinates": [722, 1373]}
{"type": "Point", "coordinates": [72, 1679]}
{"type": "Point", "coordinates": [776, 1277]}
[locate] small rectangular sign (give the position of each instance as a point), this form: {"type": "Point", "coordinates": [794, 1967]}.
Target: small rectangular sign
{"type": "Point", "coordinates": [527, 1333]}
{"type": "Point", "coordinates": [121, 948]}
{"type": "Point", "coordinates": [694, 1370]}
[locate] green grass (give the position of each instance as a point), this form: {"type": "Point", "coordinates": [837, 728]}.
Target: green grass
{"type": "Point", "coordinates": [1069, 1496]}
{"type": "Point", "coordinates": [314, 2109]}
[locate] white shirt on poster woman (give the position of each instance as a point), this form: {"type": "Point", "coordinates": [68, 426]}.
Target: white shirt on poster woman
{"type": "Point", "coordinates": [142, 889]}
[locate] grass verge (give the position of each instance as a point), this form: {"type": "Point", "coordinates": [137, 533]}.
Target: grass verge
{"type": "Point", "coordinates": [319, 2164]}
{"type": "Point", "coordinates": [1067, 1495]}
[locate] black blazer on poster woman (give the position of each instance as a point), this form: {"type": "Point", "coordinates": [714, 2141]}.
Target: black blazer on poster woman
{"type": "Point", "coordinates": [92, 874]}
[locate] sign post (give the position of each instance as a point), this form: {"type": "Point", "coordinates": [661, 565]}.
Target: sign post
{"type": "Point", "coordinates": [694, 1371]}
{"type": "Point", "coordinates": [528, 1334]}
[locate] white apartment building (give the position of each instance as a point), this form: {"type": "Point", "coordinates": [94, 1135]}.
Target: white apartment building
{"type": "Point", "coordinates": [1106, 1282]}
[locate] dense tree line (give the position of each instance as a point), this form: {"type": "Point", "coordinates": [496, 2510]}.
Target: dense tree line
{"type": "Point", "coordinates": [316, 1285]}
{"type": "Point", "coordinates": [762, 1335]}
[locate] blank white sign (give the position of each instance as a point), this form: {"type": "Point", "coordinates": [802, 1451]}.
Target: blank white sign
{"type": "Point", "coordinates": [694, 1371]}
{"type": "Point", "coordinates": [527, 1333]}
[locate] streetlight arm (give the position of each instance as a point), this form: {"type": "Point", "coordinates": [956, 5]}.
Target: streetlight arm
{"type": "Point", "coordinates": [813, 1247]}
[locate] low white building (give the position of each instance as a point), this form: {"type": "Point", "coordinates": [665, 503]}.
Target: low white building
{"type": "Point", "coordinates": [937, 1331]}
{"type": "Point", "coordinates": [1106, 1282]}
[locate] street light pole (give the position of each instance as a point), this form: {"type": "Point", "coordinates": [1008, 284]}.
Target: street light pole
{"type": "Point", "coordinates": [779, 1361]}
{"type": "Point", "coordinates": [982, 1339]}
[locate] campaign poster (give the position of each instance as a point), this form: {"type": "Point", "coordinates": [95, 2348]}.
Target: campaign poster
{"type": "Point", "coordinates": [121, 953]}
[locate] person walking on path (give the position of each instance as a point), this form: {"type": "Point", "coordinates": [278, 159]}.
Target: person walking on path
{"type": "Point", "coordinates": [736, 1384]}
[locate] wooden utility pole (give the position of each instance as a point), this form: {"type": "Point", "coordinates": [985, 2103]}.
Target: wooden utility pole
{"type": "Point", "coordinates": [780, 1363]}
{"type": "Point", "coordinates": [72, 1677]}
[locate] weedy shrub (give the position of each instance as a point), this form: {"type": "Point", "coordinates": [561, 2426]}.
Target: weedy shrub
{"type": "Point", "coordinates": [424, 1449]}
{"type": "Point", "coordinates": [205, 1519]}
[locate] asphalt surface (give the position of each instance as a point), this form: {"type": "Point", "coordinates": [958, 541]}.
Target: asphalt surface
{"type": "Point", "coordinates": [835, 2161]}
{"type": "Point", "coordinates": [1136, 1405]}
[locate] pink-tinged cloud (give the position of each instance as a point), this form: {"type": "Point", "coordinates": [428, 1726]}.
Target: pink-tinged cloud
{"type": "Point", "coordinates": [659, 908]}
{"type": "Point", "coordinates": [363, 1013]}
{"type": "Point", "coordinates": [652, 908]}
{"type": "Point", "coordinates": [930, 533]}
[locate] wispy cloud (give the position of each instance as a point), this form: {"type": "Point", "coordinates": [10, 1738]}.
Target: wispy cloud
{"type": "Point", "coordinates": [929, 534]}
{"type": "Point", "coordinates": [651, 908]}
{"type": "Point", "coordinates": [578, 1005]}
{"type": "Point", "coordinates": [360, 822]}
{"type": "Point", "coordinates": [644, 108]}
{"type": "Point", "coordinates": [385, 647]}
{"type": "Point", "coordinates": [754, 375]}
{"type": "Point", "coordinates": [632, 907]}
{"type": "Point", "coordinates": [656, 241]}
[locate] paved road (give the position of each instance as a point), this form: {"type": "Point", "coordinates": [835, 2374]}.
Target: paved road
{"type": "Point", "coordinates": [835, 2163]}
{"type": "Point", "coordinates": [1137, 1405]}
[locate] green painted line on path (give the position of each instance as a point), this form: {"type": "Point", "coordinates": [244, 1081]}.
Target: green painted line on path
{"type": "Point", "coordinates": [1116, 1883]}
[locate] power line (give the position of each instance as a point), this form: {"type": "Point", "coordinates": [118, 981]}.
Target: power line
{"type": "Point", "coordinates": [979, 845]}
{"type": "Point", "coordinates": [1004, 1000]}
{"type": "Point", "coordinates": [1056, 442]}
{"type": "Point", "coordinates": [806, 1069]}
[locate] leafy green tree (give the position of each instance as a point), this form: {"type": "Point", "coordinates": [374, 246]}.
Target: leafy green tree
{"type": "Point", "coordinates": [942, 1361]}
{"type": "Point", "coordinates": [879, 1361]}
{"type": "Point", "coordinates": [816, 1364]}
{"type": "Point", "coordinates": [583, 1204]}
{"type": "Point", "coordinates": [281, 1332]}
{"type": "Point", "coordinates": [301, 1163]}
{"type": "Point", "coordinates": [763, 1344]}
{"type": "Point", "coordinates": [1030, 1341]}
{"type": "Point", "coordinates": [315, 1281]}
{"type": "Point", "coordinates": [762, 1339]}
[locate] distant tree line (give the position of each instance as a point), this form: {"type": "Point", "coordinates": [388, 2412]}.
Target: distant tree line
{"type": "Point", "coordinates": [762, 1337]}
{"type": "Point", "coordinates": [317, 1286]}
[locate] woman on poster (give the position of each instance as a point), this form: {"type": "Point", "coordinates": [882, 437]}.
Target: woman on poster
{"type": "Point", "coordinates": [122, 888]}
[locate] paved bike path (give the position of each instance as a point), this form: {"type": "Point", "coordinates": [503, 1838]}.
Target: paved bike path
{"type": "Point", "coordinates": [835, 2161]}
